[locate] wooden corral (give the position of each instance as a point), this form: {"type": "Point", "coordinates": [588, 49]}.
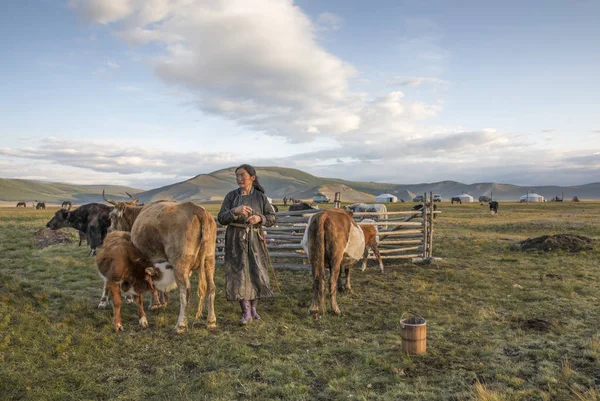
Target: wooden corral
{"type": "Point", "coordinates": [402, 235]}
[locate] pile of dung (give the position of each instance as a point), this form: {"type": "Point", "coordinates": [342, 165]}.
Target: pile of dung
{"type": "Point", "coordinates": [46, 237]}
{"type": "Point", "coordinates": [564, 242]}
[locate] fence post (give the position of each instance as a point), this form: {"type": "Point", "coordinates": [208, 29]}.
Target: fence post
{"type": "Point", "coordinates": [337, 202]}
{"type": "Point", "coordinates": [424, 209]}
{"type": "Point", "coordinates": [431, 216]}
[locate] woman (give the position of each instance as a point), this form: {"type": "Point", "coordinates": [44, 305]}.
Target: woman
{"type": "Point", "coordinates": [245, 211]}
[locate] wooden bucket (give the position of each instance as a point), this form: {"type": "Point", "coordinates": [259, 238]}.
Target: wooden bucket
{"type": "Point", "coordinates": [413, 331]}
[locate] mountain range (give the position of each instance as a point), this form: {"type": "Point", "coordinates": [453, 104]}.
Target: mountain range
{"type": "Point", "coordinates": [280, 182]}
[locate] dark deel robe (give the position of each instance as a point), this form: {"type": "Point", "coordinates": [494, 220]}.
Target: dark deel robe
{"type": "Point", "coordinates": [246, 256]}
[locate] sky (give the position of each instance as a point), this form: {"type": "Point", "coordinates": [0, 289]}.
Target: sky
{"type": "Point", "coordinates": [147, 93]}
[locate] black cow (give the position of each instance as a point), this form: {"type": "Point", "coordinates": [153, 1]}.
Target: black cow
{"type": "Point", "coordinates": [66, 205]}
{"type": "Point", "coordinates": [494, 207]}
{"type": "Point", "coordinates": [300, 206]}
{"type": "Point", "coordinates": [93, 219]}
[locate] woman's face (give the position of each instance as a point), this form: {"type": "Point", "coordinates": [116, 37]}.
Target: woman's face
{"type": "Point", "coordinates": [244, 179]}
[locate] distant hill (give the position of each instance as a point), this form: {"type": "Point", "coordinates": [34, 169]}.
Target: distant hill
{"type": "Point", "coordinates": [280, 182]}
{"type": "Point", "coordinates": [289, 182]}
{"type": "Point", "coordinates": [51, 192]}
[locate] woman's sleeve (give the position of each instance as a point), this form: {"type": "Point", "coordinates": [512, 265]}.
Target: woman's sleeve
{"type": "Point", "coordinates": [268, 214]}
{"type": "Point", "coordinates": [226, 215]}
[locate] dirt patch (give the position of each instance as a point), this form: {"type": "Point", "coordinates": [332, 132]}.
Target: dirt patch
{"type": "Point", "coordinates": [564, 242]}
{"type": "Point", "coordinates": [537, 324]}
{"type": "Point", "coordinates": [47, 237]}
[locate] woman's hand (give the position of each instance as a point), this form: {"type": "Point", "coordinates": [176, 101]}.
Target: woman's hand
{"type": "Point", "coordinates": [254, 219]}
{"type": "Point", "coordinates": [243, 210]}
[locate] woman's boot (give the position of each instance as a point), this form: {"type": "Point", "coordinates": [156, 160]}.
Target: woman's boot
{"type": "Point", "coordinates": [246, 314]}
{"type": "Point", "coordinates": [253, 304]}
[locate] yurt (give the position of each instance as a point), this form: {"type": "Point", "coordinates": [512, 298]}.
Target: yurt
{"type": "Point", "coordinates": [531, 198]}
{"type": "Point", "coordinates": [386, 198]}
{"type": "Point", "coordinates": [465, 198]}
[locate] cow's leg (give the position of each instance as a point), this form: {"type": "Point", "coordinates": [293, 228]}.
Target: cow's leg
{"type": "Point", "coordinates": [142, 315]}
{"type": "Point", "coordinates": [363, 266]}
{"type": "Point", "coordinates": [104, 298]}
{"type": "Point", "coordinates": [335, 267]}
{"type": "Point", "coordinates": [348, 284]}
{"type": "Point", "coordinates": [157, 303]}
{"type": "Point", "coordinates": [375, 249]}
{"type": "Point", "coordinates": [318, 288]}
{"type": "Point", "coordinates": [115, 292]}
{"type": "Point", "coordinates": [209, 274]}
{"type": "Point", "coordinates": [333, 277]}
{"type": "Point", "coordinates": [183, 284]}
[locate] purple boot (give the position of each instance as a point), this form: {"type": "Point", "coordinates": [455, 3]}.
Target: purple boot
{"type": "Point", "coordinates": [253, 304]}
{"type": "Point", "coordinates": [246, 314]}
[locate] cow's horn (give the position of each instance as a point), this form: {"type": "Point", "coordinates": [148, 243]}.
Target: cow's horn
{"type": "Point", "coordinates": [112, 202]}
{"type": "Point", "coordinates": [135, 200]}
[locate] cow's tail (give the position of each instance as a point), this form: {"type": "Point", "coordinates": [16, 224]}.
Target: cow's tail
{"type": "Point", "coordinates": [316, 245]}
{"type": "Point", "coordinates": [206, 249]}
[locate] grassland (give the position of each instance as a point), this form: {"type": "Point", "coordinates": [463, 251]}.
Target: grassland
{"type": "Point", "coordinates": [478, 300]}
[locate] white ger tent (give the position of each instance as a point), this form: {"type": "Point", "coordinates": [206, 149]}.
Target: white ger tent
{"type": "Point", "coordinates": [465, 198]}
{"type": "Point", "coordinates": [386, 198]}
{"type": "Point", "coordinates": [531, 198]}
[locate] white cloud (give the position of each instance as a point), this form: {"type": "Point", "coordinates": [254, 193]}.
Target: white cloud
{"type": "Point", "coordinates": [255, 62]}
{"type": "Point", "coordinates": [328, 22]}
{"type": "Point", "coordinates": [485, 155]}
{"type": "Point", "coordinates": [414, 81]}
{"type": "Point", "coordinates": [112, 64]}
{"type": "Point", "coordinates": [103, 11]}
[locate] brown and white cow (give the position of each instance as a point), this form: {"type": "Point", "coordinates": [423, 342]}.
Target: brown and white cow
{"type": "Point", "coordinates": [123, 268]}
{"type": "Point", "coordinates": [333, 239]}
{"type": "Point", "coordinates": [184, 235]}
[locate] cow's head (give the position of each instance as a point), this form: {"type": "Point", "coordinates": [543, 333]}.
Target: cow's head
{"type": "Point", "coordinates": [60, 219]}
{"type": "Point", "coordinates": [117, 222]}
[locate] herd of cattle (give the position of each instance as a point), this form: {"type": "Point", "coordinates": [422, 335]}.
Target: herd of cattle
{"type": "Point", "coordinates": [156, 248]}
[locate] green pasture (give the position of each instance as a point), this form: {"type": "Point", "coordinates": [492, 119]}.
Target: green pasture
{"type": "Point", "coordinates": [481, 301]}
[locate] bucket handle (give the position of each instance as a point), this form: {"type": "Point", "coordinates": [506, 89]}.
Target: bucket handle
{"type": "Point", "coordinates": [409, 313]}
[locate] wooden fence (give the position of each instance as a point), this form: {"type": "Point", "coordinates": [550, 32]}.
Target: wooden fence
{"type": "Point", "coordinates": [402, 235]}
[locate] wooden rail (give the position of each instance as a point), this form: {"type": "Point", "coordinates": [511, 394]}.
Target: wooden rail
{"type": "Point", "coordinates": [402, 235]}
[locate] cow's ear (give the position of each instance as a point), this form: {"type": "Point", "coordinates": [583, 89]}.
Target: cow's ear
{"type": "Point", "coordinates": [351, 213]}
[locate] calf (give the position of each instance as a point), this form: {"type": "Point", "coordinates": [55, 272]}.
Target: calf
{"type": "Point", "coordinates": [371, 239]}
{"type": "Point", "coordinates": [493, 207]}
{"type": "Point", "coordinates": [124, 270]}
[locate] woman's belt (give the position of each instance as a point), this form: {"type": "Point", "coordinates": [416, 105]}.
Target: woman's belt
{"type": "Point", "coordinates": [245, 225]}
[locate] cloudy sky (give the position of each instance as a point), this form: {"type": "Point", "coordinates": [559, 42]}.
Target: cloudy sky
{"type": "Point", "coordinates": [150, 92]}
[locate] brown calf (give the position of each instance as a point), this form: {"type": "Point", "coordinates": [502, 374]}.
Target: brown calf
{"type": "Point", "coordinates": [371, 234]}
{"type": "Point", "coordinates": [123, 268]}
